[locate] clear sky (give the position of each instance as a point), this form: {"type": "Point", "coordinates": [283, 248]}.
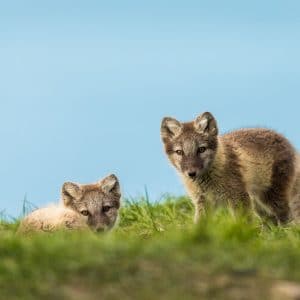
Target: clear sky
{"type": "Point", "coordinates": [84, 86]}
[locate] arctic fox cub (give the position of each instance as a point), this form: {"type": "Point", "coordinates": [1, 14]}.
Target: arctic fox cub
{"type": "Point", "coordinates": [92, 206]}
{"type": "Point", "coordinates": [256, 168]}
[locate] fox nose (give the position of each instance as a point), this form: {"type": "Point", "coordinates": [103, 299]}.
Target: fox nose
{"type": "Point", "coordinates": [192, 174]}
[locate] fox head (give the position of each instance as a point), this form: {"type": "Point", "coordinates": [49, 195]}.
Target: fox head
{"type": "Point", "coordinates": [97, 203]}
{"type": "Point", "coordinates": [191, 147]}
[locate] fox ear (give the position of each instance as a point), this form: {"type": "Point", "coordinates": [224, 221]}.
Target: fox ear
{"type": "Point", "coordinates": [170, 128]}
{"type": "Point", "coordinates": [110, 184]}
{"type": "Point", "coordinates": [206, 124]}
{"type": "Point", "coordinates": [70, 192]}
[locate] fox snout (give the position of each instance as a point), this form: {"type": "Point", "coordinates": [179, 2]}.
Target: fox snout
{"type": "Point", "coordinates": [192, 168]}
{"type": "Point", "coordinates": [192, 173]}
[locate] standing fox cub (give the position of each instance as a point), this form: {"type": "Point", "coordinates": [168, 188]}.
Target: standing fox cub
{"type": "Point", "coordinates": [247, 168]}
{"type": "Point", "coordinates": [92, 206]}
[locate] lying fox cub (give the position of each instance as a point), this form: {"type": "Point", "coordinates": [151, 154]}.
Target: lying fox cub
{"type": "Point", "coordinates": [255, 168]}
{"type": "Point", "coordinates": [92, 206]}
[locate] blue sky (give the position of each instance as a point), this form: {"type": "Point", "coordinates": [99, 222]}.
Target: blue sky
{"type": "Point", "coordinates": [84, 85]}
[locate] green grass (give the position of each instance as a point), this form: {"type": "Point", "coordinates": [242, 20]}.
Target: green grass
{"type": "Point", "coordinates": [154, 253]}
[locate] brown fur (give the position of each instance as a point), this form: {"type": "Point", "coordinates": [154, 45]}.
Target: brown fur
{"type": "Point", "coordinates": [246, 168]}
{"type": "Point", "coordinates": [91, 205]}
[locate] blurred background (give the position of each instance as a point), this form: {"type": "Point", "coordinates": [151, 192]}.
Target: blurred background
{"type": "Point", "coordinates": [84, 86]}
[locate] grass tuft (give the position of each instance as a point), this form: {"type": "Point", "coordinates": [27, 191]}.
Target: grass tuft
{"type": "Point", "coordinates": [155, 252]}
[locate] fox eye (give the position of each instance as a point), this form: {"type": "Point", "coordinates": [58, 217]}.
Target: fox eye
{"type": "Point", "coordinates": [201, 149]}
{"type": "Point", "coordinates": [179, 152]}
{"type": "Point", "coordinates": [106, 208]}
{"type": "Point", "coordinates": [85, 212]}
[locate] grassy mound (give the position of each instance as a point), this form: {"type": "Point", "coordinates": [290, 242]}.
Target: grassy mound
{"type": "Point", "coordinates": [155, 253]}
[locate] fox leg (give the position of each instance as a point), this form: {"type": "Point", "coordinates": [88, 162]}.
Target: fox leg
{"type": "Point", "coordinates": [295, 208]}
{"type": "Point", "coordinates": [278, 204]}
{"type": "Point", "coordinates": [199, 208]}
{"type": "Point", "coordinates": [262, 207]}
{"type": "Point", "coordinates": [277, 196]}
{"type": "Point", "coordinates": [264, 214]}
{"type": "Point", "coordinates": [295, 199]}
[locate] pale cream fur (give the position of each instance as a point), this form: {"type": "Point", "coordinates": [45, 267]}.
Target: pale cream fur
{"type": "Point", "coordinates": [51, 218]}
